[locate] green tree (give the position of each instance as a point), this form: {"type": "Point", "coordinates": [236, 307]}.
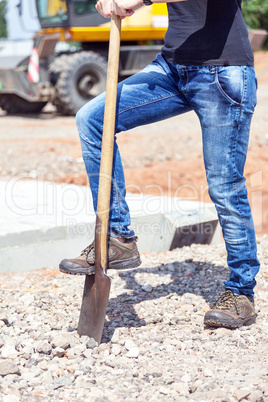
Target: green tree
{"type": "Point", "coordinates": [3, 23]}
{"type": "Point", "coordinates": [255, 13]}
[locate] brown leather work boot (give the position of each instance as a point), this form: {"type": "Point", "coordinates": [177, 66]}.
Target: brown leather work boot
{"type": "Point", "coordinates": [231, 311]}
{"type": "Point", "coordinates": [121, 255]}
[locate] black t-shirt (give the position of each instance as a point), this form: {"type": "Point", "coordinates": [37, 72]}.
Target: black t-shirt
{"type": "Point", "coordinates": [207, 32]}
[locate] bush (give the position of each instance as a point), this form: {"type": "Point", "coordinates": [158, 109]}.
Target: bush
{"type": "Point", "coordinates": [255, 13]}
{"type": "Point", "coordinates": [3, 23]}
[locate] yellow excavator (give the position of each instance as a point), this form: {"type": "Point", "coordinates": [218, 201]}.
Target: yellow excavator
{"type": "Point", "coordinates": [71, 78]}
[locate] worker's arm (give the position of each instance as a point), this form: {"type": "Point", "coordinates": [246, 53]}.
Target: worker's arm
{"type": "Point", "coordinates": [124, 8]}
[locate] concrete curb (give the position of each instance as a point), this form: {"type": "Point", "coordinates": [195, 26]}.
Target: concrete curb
{"type": "Point", "coordinates": [42, 222]}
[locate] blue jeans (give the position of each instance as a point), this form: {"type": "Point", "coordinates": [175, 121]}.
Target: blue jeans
{"type": "Point", "coordinates": [224, 99]}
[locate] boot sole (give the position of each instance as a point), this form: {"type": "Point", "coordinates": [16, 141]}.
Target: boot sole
{"type": "Point", "coordinates": [127, 264]}
{"type": "Point", "coordinates": [225, 324]}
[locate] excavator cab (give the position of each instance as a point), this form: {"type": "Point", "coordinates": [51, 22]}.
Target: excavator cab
{"type": "Point", "coordinates": [68, 13]}
{"type": "Point", "coordinates": [52, 13]}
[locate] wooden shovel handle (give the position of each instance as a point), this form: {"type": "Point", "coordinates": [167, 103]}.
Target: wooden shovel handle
{"type": "Point", "coordinates": [104, 195]}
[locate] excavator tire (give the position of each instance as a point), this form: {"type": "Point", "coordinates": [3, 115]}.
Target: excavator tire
{"type": "Point", "coordinates": [57, 66]}
{"type": "Point", "coordinates": [13, 104]}
{"type": "Point", "coordinates": [82, 76]}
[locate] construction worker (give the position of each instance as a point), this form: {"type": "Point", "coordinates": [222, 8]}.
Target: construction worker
{"type": "Point", "coordinates": [206, 65]}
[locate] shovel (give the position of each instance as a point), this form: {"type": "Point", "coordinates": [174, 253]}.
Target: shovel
{"type": "Point", "coordinates": [97, 287]}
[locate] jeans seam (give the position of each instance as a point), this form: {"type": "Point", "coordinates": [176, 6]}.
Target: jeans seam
{"type": "Point", "coordinates": [187, 81]}
{"type": "Point", "coordinates": [243, 97]}
{"type": "Point", "coordinates": [240, 118]}
{"type": "Point", "coordinates": [115, 197]}
{"type": "Point", "coordinates": [234, 177]}
{"type": "Point", "coordinates": [147, 102]}
{"type": "Point", "coordinates": [234, 154]}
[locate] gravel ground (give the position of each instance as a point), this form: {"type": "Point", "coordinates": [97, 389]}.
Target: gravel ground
{"type": "Point", "coordinates": [154, 346]}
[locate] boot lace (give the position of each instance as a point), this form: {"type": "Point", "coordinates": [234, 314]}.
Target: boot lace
{"type": "Point", "coordinates": [88, 249]}
{"type": "Point", "coordinates": [91, 247]}
{"type": "Point", "coordinates": [226, 301]}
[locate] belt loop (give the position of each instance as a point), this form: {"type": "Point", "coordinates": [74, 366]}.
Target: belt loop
{"type": "Point", "coordinates": [212, 69]}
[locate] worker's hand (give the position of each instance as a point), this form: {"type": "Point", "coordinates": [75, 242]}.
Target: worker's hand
{"type": "Point", "coordinates": [104, 7]}
{"type": "Point", "coordinates": [123, 8]}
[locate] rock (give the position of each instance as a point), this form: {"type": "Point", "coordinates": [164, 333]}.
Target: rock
{"type": "Point", "coordinates": [8, 367]}
{"type": "Point", "coordinates": [116, 349]}
{"type": "Point", "coordinates": [164, 391]}
{"type": "Point", "coordinates": [3, 318]}
{"type": "Point", "coordinates": [265, 388]}
{"type": "Point", "coordinates": [207, 372]}
{"type": "Point", "coordinates": [79, 349]}
{"type": "Point", "coordinates": [46, 378]}
{"type": "Point", "coordinates": [129, 344]}
{"type": "Point", "coordinates": [9, 351]}
{"type": "Point", "coordinates": [87, 353]}
{"type": "Point", "coordinates": [255, 396]}
{"type": "Point", "coordinates": [147, 288]}
{"type": "Point", "coordinates": [74, 339]}
{"type": "Point", "coordinates": [43, 364]}
{"type": "Point", "coordinates": [62, 382]}
{"type": "Point", "coordinates": [241, 394]}
{"type": "Point", "coordinates": [104, 349]}
{"type": "Point", "coordinates": [43, 347]}
{"type": "Point", "coordinates": [193, 387]}
{"type": "Point", "coordinates": [26, 347]}
{"type": "Point", "coordinates": [59, 352]}
{"type": "Point", "coordinates": [116, 336]}
{"type": "Point", "coordinates": [186, 378]}
{"type": "Point", "coordinates": [60, 341]}
{"type": "Point", "coordinates": [91, 343]}
{"type": "Point", "coordinates": [133, 352]}
{"type": "Point", "coordinates": [181, 388]}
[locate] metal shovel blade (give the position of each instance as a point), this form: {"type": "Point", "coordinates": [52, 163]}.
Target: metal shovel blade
{"type": "Point", "coordinates": [94, 306]}
{"type": "Point", "coordinates": [95, 297]}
